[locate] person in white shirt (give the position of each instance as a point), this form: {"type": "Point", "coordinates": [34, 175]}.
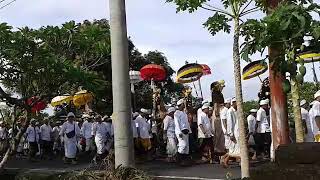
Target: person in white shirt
{"type": "Point", "coordinates": [70, 132]}
{"type": "Point", "coordinates": [46, 139]}
{"type": "Point", "coordinates": [86, 133]}
{"type": "Point", "coordinates": [251, 119]}
{"type": "Point", "coordinates": [134, 126]}
{"type": "Point", "coordinates": [223, 117]}
{"type": "Point", "coordinates": [182, 130]}
{"type": "Point", "coordinates": [308, 137]}
{"type": "Point", "coordinates": [205, 134]}
{"type": "Point", "coordinates": [135, 131]}
{"type": "Point", "coordinates": [110, 135]}
{"type": "Point", "coordinates": [169, 134]}
{"type": "Point", "coordinates": [233, 133]}
{"type": "Point", "coordinates": [32, 136]}
{"type": "Point", "coordinates": [56, 138]}
{"type": "Point", "coordinates": [263, 134]}
{"type": "Point", "coordinates": [313, 124]}
{"type": "Point", "coordinates": [199, 111]}
{"type": "Point", "coordinates": [99, 133]}
{"type": "Point", "coordinates": [316, 116]}
{"type": "Point", "coordinates": [3, 138]}
{"type": "Point", "coordinates": [144, 131]}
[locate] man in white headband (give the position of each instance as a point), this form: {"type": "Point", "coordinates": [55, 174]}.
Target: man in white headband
{"type": "Point", "coordinates": [182, 130]}
{"type": "Point", "coordinates": [308, 136]}
{"type": "Point", "coordinates": [169, 134]}
{"type": "Point", "coordinates": [205, 134]}
{"type": "Point", "coordinates": [86, 131]}
{"type": "Point", "coordinates": [232, 132]}
{"type": "Point", "coordinates": [223, 116]}
{"type": "Point", "coordinates": [144, 132]}
{"type": "Point", "coordinates": [263, 130]}
{"type": "Point", "coordinates": [70, 132]}
{"type": "Point", "coordinates": [316, 116]}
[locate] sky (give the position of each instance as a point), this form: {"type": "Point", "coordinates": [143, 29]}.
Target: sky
{"type": "Point", "coordinates": [152, 25]}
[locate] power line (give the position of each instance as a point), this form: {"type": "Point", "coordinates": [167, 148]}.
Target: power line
{"type": "Point", "coordinates": [6, 4]}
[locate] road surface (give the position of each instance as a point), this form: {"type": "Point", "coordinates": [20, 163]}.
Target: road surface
{"type": "Point", "coordinates": [157, 168]}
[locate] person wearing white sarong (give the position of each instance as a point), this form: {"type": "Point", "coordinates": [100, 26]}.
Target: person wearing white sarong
{"type": "Point", "coordinates": [205, 134]}
{"type": "Point", "coordinates": [56, 138]}
{"type": "Point", "coordinates": [223, 117]}
{"type": "Point", "coordinates": [232, 132]}
{"type": "Point", "coordinates": [86, 131]}
{"type": "Point", "coordinates": [46, 138]}
{"type": "Point", "coordinates": [182, 130]}
{"type": "Point", "coordinates": [110, 140]}
{"type": "Point", "coordinates": [169, 134]}
{"type": "Point", "coordinates": [100, 133]}
{"type": "Point", "coordinates": [308, 137]}
{"type": "Point", "coordinates": [144, 132]}
{"type": "Point", "coordinates": [251, 119]}
{"type": "Point", "coordinates": [33, 137]}
{"type": "Point", "coordinates": [263, 132]}
{"type": "Point", "coordinates": [70, 132]}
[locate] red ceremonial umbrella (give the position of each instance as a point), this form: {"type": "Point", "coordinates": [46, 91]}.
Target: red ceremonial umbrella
{"type": "Point", "coordinates": [37, 105]}
{"type": "Point", "coordinates": [153, 72]}
{"type": "Point", "coordinates": [205, 69]}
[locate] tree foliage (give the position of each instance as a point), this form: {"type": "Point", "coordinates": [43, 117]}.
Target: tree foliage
{"type": "Point", "coordinates": [28, 67]}
{"type": "Point", "coordinates": [54, 60]}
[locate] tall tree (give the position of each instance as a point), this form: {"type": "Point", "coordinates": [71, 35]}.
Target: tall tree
{"type": "Point", "coordinates": [286, 28]}
{"type": "Point", "coordinates": [233, 13]}
{"type": "Point", "coordinates": [87, 46]}
{"type": "Point", "coordinates": [28, 68]}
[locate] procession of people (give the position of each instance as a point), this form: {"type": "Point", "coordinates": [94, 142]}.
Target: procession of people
{"type": "Point", "coordinates": [217, 133]}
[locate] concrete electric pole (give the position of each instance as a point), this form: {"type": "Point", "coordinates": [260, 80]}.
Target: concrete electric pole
{"type": "Point", "coordinates": [121, 117]}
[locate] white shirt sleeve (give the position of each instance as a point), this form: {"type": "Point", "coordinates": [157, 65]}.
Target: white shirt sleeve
{"type": "Point", "coordinates": [165, 123]}
{"type": "Point", "coordinates": [200, 119]}
{"type": "Point", "coordinates": [63, 129]}
{"type": "Point", "coordinates": [304, 115]}
{"type": "Point", "coordinates": [83, 129]}
{"type": "Point", "coordinates": [176, 123]}
{"type": "Point", "coordinates": [94, 129]}
{"type": "Point", "coordinates": [316, 109]}
{"type": "Point", "coordinates": [229, 123]}
{"type": "Point", "coordinates": [259, 116]}
{"type": "Point", "coordinates": [223, 114]}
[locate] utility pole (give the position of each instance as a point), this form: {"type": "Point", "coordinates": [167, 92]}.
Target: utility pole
{"type": "Point", "coordinates": [279, 111]}
{"type": "Point", "coordinates": [123, 141]}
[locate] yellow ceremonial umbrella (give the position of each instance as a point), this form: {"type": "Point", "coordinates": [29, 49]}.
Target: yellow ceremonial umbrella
{"type": "Point", "coordinates": [82, 98]}
{"type": "Point", "coordinates": [309, 56]}
{"type": "Point", "coordinates": [59, 100]}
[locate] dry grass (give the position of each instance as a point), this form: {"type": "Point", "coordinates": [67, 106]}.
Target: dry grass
{"type": "Point", "coordinates": [110, 172]}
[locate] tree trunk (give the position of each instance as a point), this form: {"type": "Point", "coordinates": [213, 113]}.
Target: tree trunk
{"type": "Point", "coordinates": [5, 159]}
{"type": "Point", "coordinates": [279, 111]}
{"type": "Point", "coordinates": [13, 145]}
{"type": "Point", "coordinates": [296, 110]}
{"type": "Point", "coordinates": [237, 74]}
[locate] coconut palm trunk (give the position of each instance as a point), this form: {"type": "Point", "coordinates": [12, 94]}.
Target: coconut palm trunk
{"type": "Point", "coordinates": [237, 74]}
{"type": "Point", "coordinates": [296, 110]}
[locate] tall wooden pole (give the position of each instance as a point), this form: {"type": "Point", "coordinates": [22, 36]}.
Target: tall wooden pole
{"type": "Point", "coordinates": [200, 88]}
{"type": "Point", "coordinates": [123, 141]}
{"type": "Point", "coordinates": [279, 111]}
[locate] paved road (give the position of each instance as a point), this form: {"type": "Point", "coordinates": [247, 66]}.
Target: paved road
{"type": "Point", "coordinates": [158, 168]}
{"type": "Point", "coordinates": [164, 170]}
